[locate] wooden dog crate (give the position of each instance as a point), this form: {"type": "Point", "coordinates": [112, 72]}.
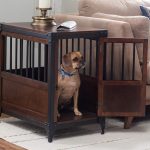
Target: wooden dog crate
{"type": "Point", "coordinates": [30, 58]}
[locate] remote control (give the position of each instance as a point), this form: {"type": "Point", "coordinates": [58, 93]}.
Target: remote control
{"type": "Point", "coordinates": [67, 25]}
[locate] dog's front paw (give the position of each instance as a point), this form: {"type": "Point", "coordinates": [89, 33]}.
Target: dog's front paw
{"type": "Point", "coordinates": [58, 114]}
{"type": "Point", "coordinates": [77, 112]}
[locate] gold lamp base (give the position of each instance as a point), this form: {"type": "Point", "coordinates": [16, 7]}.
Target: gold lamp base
{"type": "Point", "coordinates": [43, 21]}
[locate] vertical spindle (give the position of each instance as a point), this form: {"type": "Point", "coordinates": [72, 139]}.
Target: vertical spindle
{"type": "Point", "coordinates": [33, 60]}
{"type": "Point", "coordinates": [39, 61]}
{"type": "Point", "coordinates": [27, 58]}
{"type": "Point", "coordinates": [10, 54]}
{"type": "Point", "coordinates": [16, 55]}
{"type": "Point", "coordinates": [45, 62]}
{"type": "Point", "coordinates": [112, 60]}
{"type": "Point", "coordinates": [123, 52]}
{"type": "Point", "coordinates": [133, 68]}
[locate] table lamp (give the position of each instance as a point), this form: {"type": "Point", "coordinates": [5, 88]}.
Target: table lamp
{"type": "Point", "coordinates": [43, 19]}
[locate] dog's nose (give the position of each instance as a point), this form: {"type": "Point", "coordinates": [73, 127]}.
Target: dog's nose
{"type": "Point", "coordinates": [82, 62]}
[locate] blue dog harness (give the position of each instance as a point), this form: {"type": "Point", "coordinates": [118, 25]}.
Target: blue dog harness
{"type": "Point", "coordinates": [65, 73]}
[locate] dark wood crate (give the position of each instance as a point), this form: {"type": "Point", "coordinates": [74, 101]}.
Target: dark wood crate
{"type": "Point", "coordinates": [30, 58]}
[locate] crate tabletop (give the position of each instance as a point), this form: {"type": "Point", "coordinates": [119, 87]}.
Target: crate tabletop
{"type": "Point", "coordinates": [28, 27]}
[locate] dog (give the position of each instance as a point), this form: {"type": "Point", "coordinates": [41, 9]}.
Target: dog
{"type": "Point", "coordinates": [69, 80]}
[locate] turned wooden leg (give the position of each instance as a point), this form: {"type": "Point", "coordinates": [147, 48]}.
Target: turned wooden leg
{"type": "Point", "coordinates": [128, 122]}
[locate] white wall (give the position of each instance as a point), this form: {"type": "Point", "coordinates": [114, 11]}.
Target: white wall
{"type": "Point", "coordinates": [23, 10]}
{"type": "Point", "coordinates": [16, 10]}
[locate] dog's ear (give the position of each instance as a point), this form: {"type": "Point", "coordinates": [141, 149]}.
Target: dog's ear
{"type": "Point", "coordinates": [66, 61]}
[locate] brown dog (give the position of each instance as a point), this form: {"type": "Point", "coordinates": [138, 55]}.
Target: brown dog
{"type": "Point", "coordinates": [69, 80]}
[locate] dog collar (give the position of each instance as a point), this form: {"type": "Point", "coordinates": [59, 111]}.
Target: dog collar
{"type": "Point", "coordinates": [65, 73]}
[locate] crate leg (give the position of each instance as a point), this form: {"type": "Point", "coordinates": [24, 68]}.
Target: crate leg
{"type": "Point", "coordinates": [50, 133]}
{"type": "Point", "coordinates": [50, 137]}
{"type": "Point", "coordinates": [0, 112]}
{"type": "Point", "coordinates": [102, 124]}
{"type": "Point", "coordinates": [128, 122]}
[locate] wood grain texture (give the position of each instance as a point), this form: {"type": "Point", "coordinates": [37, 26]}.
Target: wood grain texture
{"type": "Point", "coordinates": [4, 145]}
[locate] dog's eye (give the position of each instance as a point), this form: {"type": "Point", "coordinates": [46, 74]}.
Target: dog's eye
{"type": "Point", "coordinates": [75, 59]}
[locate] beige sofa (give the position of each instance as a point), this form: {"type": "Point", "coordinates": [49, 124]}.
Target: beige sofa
{"type": "Point", "coordinates": [122, 18]}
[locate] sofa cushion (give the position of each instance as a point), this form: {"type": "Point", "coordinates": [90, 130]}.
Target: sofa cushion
{"type": "Point", "coordinates": [145, 3]}
{"type": "Point", "coordinates": [136, 22]}
{"type": "Point", "coordinates": [145, 11]}
{"type": "Point", "coordinates": [118, 7]}
{"type": "Point", "coordinates": [115, 29]}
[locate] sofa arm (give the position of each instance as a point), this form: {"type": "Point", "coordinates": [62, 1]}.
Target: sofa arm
{"type": "Point", "coordinates": [115, 28]}
{"type": "Point", "coordinates": [145, 3]}
{"type": "Point", "coordinates": [139, 24]}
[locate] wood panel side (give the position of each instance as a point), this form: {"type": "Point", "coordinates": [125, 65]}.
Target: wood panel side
{"type": "Point", "coordinates": [24, 100]}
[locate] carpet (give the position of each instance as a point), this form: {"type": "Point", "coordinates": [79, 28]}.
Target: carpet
{"type": "Point", "coordinates": [4, 145]}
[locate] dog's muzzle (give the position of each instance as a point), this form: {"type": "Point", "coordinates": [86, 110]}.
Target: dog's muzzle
{"type": "Point", "coordinates": [82, 65]}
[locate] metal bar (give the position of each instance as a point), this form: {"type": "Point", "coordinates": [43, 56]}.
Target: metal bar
{"type": "Point", "coordinates": [2, 48]}
{"type": "Point", "coordinates": [30, 54]}
{"type": "Point", "coordinates": [84, 54]}
{"type": "Point", "coordinates": [5, 53]}
{"type": "Point", "coordinates": [66, 46]}
{"type": "Point", "coordinates": [16, 55]}
{"type": "Point", "coordinates": [104, 61]}
{"type": "Point", "coordinates": [102, 121]}
{"type": "Point", "coordinates": [90, 58]}
{"type": "Point", "coordinates": [112, 61]}
{"type": "Point", "coordinates": [27, 58]}
{"type": "Point", "coordinates": [21, 56]}
{"type": "Point", "coordinates": [61, 49]}
{"type": "Point", "coordinates": [32, 60]}
{"type": "Point", "coordinates": [39, 61]}
{"type": "Point", "coordinates": [133, 67]}
{"type": "Point", "coordinates": [79, 44]}
{"type": "Point", "coordinates": [97, 57]}
{"type": "Point", "coordinates": [45, 62]}
{"type": "Point", "coordinates": [10, 63]}
{"type": "Point", "coordinates": [52, 81]}
{"type": "Point", "coordinates": [123, 51]}
{"type": "Point", "coordinates": [72, 44]}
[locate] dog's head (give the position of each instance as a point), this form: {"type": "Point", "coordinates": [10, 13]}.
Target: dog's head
{"type": "Point", "coordinates": [73, 61]}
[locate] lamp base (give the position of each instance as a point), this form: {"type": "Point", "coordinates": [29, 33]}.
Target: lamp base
{"type": "Point", "coordinates": [43, 21]}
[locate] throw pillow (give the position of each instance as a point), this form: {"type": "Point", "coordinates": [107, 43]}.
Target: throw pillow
{"type": "Point", "coordinates": [145, 11]}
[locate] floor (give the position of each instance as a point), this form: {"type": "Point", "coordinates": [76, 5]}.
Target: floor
{"type": "Point", "coordinates": [79, 138]}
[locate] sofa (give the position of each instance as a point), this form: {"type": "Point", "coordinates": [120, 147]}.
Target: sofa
{"type": "Point", "coordinates": [122, 18]}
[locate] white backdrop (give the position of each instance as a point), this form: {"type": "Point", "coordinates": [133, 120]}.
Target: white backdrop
{"type": "Point", "coordinates": [16, 10]}
{"type": "Point", "coordinates": [23, 10]}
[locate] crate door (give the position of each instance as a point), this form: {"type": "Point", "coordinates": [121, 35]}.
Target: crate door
{"type": "Point", "coordinates": [121, 99]}
{"type": "Point", "coordinates": [121, 93]}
